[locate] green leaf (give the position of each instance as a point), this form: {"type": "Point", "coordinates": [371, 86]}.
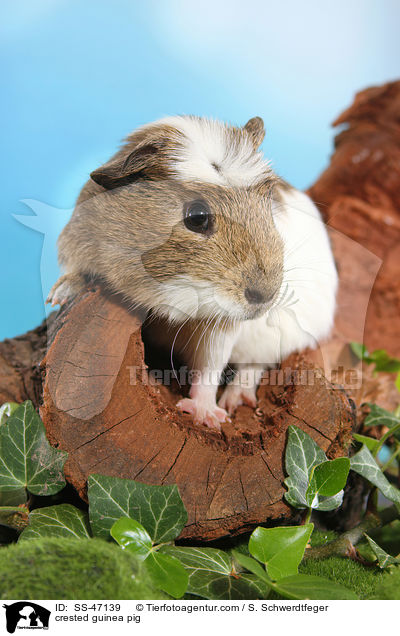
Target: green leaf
{"type": "Point", "coordinates": [253, 566]}
{"type": "Point", "coordinates": [26, 458]}
{"type": "Point", "coordinates": [62, 520]}
{"type": "Point", "coordinates": [384, 559]}
{"type": "Point", "coordinates": [280, 549]}
{"type": "Point", "coordinates": [167, 573]}
{"type": "Point", "coordinates": [380, 357]}
{"type": "Point", "coordinates": [379, 416]}
{"type": "Point", "coordinates": [308, 587]}
{"type": "Point", "coordinates": [159, 509]}
{"type": "Point", "coordinates": [131, 535]}
{"type": "Point", "coordinates": [212, 574]}
{"type": "Point", "coordinates": [384, 362]}
{"type": "Point", "coordinates": [359, 350]}
{"type": "Point", "coordinates": [299, 586]}
{"type": "Point", "coordinates": [302, 454]}
{"type": "Point", "coordinates": [326, 483]}
{"type": "Point", "coordinates": [13, 497]}
{"type": "Point", "coordinates": [243, 586]}
{"type": "Point", "coordinates": [301, 458]}
{"type": "Point", "coordinates": [202, 559]}
{"type": "Point", "coordinates": [330, 477]}
{"type": "Point", "coordinates": [397, 381]}
{"type": "Point", "coordinates": [370, 442]}
{"type": "Point", "coordinates": [365, 465]}
{"type": "Point", "coordinates": [6, 410]}
{"type": "Point", "coordinates": [325, 504]}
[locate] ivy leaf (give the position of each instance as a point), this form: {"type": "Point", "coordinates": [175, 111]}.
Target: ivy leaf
{"type": "Point", "coordinates": [212, 575]}
{"type": "Point", "coordinates": [384, 362]}
{"type": "Point", "coordinates": [13, 497]}
{"type": "Point", "coordinates": [6, 410]}
{"type": "Point", "coordinates": [330, 477]}
{"type": "Point", "coordinates": [365, 465]}
{"type": "Point", "coordinates": [308, 587]}
{"type": "Point", "coordinates": [26, 458]}
{"type": "Point", "coordinates": [380, 357]}
{"type": "Point", "coordinates": [381, 417]}
{"type": "Point", "coordinates": [384, 559]}
{"type": "Point", "coordinates": [299, 586]}
{"type": "Point", "coordinates": [131, 535]}
{"type": "Point", "coordinates": [325, 504]}
{"type": "Point", "coordinates": [302, 457]}
{"type": "Point", "coordinates": [370, 442]}
{"type": "Point", "coordinates": [253, 566]}
{"type": "Point", "coordinates": [302, 454]}
{"type": "Point", "coordinates": [62, 520]}
{"type": "Point", "coordinates": [280, 549]}
{"type": "Point", "coordinates": [242, 586]}
{"type": "Point", "coordinates": [167, 573]}
{"type": "Point", "coordinates": [326, 483]}
{"type": "Point", "coordinates": [159, 509]}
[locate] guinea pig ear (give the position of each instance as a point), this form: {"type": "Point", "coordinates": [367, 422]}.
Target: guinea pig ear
{"type": "Point", "coordinates": [255, 128]}
{"type": "Point", "coordinates": [146, 161]}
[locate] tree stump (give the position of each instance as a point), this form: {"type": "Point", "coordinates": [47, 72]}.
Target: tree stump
{"type": "Point", "coordinates": [99, 405]}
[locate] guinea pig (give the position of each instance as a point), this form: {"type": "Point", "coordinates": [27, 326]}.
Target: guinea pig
{"type": "Point", "coordinates": [190, 224]}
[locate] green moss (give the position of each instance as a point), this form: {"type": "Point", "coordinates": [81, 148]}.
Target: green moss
{"type": "Point", "coordinates": [355, 576]}
{"type": "Point", "coordinates": [72, 569]}
{"type": "Point", "coordinates": [389, 586]}
{"type": "Point", "coordinates": [360, 578]}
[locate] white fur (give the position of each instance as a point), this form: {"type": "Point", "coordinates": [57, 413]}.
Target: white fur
{"type": "Point", "coordinates": [184, 297]}
{"type": "Point", "coordinates": [302, 316]}
{"type": "Point", "coordinates": [207, 141]}
{"type": "Point", "coordinates": [305, 311]}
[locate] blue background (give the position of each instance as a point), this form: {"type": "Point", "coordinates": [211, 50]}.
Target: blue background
{"type": "Point", "coordinates": [77, 76]}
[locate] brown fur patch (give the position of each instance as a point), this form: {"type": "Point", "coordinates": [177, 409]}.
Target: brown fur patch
{"type": "Point", "coordinates": [134, 238]}
{"type": "Point", "coordinates": [255, 128]}
{"type": "Point", "coordinates": [146, 154]}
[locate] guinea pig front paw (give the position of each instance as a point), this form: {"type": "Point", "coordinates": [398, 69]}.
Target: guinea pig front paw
{"type": "Point", "coordinates": [66, 288]}
{"type": "Point", "coordinates": [235, 395]}
{"type": "Point", "coordinates": [210, 415]}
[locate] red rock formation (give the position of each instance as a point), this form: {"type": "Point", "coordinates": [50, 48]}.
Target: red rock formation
{"type": "Point", "coordinates": [359, 194]}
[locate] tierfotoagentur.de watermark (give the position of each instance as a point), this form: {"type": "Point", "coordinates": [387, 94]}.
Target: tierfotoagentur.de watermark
{"type": "Point", "coordinates": [347, 378]}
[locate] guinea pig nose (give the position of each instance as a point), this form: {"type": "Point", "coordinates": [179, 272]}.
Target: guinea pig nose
{"type": "Point", "coordinates": [254, 297]}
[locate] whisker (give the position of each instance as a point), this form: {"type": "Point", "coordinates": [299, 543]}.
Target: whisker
{"type": "Point", "coordinates": [172, 349]}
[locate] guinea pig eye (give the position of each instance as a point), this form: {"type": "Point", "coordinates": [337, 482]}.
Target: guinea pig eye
{"type": "Point", "coordinates": [197, 218]}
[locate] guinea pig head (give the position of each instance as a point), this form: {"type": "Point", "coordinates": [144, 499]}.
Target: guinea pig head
{"type": "Point", "coordinates": [223, 257]}
{"type": "Point", "coordinates": [188, 202]}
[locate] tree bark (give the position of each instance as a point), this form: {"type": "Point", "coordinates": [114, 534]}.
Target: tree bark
{"type": "Point", "coordinates": [99, 405]}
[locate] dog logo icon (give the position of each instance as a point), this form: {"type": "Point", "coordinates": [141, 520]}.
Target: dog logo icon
{"type": "Point", "coordinates": [26, 615]}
